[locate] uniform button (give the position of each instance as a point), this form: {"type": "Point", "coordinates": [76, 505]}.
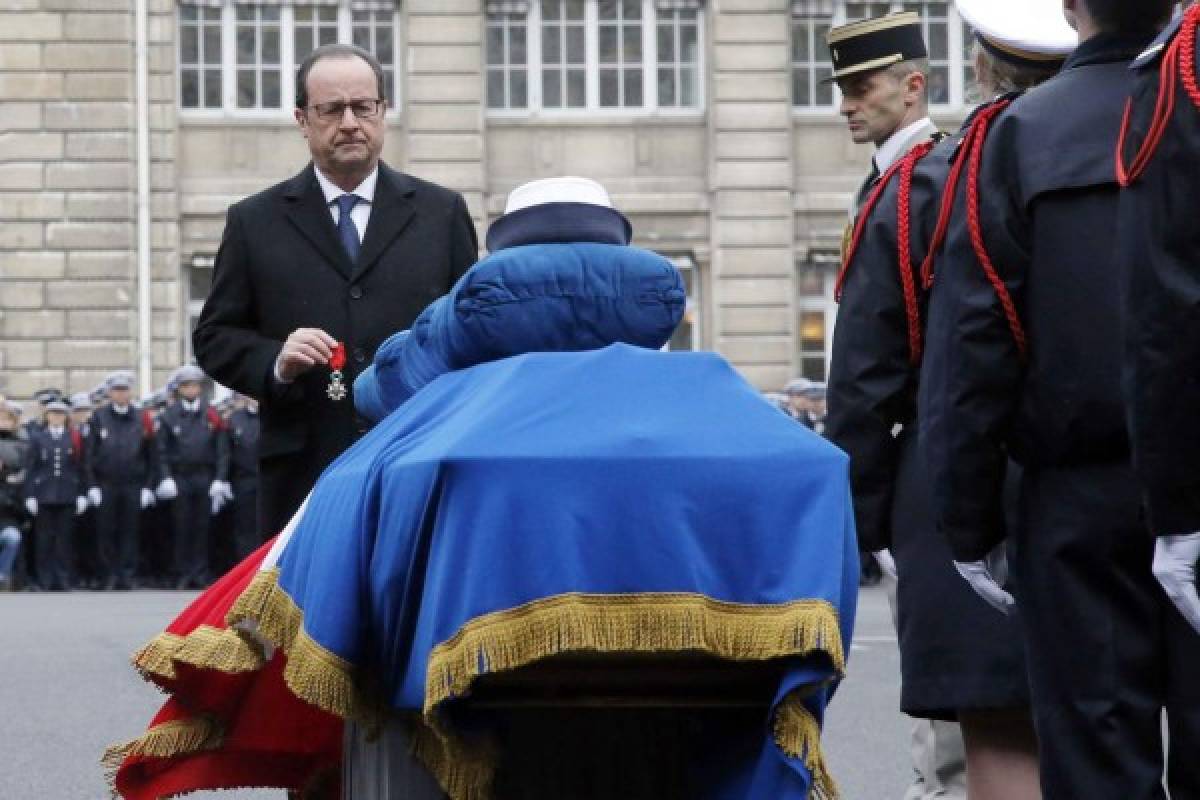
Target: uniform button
{"type": "Point", "coordinates": [356, 292]}
{"type": "Point", "coordinates": [359, 355]}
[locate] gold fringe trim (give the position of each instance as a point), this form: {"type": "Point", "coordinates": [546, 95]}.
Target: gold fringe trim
{"type": "Point", "coordinates": [226, 650]}
{"type": "Point", "coordinates": [629, 623]}
{"type": "Point", "coordinates": [463, 772]}
{"type": "Point", "coordinates": [313, 673]}
{"type": "Point", "coordinates": [799, 736]}
{"type": "Point", "coordinates": [164, 741]}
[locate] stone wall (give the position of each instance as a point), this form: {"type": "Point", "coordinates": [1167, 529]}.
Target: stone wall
{"type": "Point", "coordinates": [68, 291]}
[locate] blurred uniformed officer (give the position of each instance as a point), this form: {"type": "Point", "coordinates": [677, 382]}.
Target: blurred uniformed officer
{"type": "Point", "coordinates": [1023, 359]}
{"type": "Point", "coordinates": [243, 441]}
{"type": "Point", "coordinates": [43, 397]}
{"type": "Point", "coordinates": [1160, 249]}
{"type": "Point", "coordinates": [194, 464]}
{"type": "Point", "coordinates": [120, 473]}
{"type": "Point", "coordinates": [881, 66]}
{"type": "Point", "coordinates": [87, 547]}
{"type": "Point", "coordinates": [12, 515]}
{"type": "Point", "coordinates": [54, 494]}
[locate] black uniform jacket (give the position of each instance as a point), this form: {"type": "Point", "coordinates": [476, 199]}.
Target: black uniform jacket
{"type": "Point", "coordinates": [243, 446]}
{"type": "Point", "coordinates": [1048, 207]}
{"type": "Point", "coordinates": [120, 449]}
{"type": "Point", "coordinates": [54, 467]}
{"type": "Point", "coordinates": [192, 446]}
{"type": "Point", "coordinates": [281, 267]}
{"type": "Point", "coordinates": [1159, 238]}
{"type": "Point", "coordinates": [873, 379]}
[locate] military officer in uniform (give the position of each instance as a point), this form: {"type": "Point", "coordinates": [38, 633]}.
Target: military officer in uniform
{"type": "Point", "coordinates": [119, 459]}
{"type": "Point", "coordinates": [193, 452]}
{"type": "Point", "coordinates": [54, 495]}
{"type": "Point", "coordinates": [1160, 250]}
{"type": "Point", "coordinates": [1023, 360]}
{"type": "Point", "coordinates": [243, 445]}
{"type": "Point", "coordinates": [968, 665]}
{"type": "Point", "coordinates": [881, 66]}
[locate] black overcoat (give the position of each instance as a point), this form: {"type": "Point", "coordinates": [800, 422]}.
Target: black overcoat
{"type": "Point", "coordinates": [281, 267]}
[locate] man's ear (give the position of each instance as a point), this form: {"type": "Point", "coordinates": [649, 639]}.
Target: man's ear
{"type": "Point", "coordinates": [914, 88]}
{"type": "Point", "coordinates": [301, 120]}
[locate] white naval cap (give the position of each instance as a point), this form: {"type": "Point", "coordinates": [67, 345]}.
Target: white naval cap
{"type": "Point", "coordinates": [566, 189]}
{"type": "Point", "coordinates": [1021, 30]}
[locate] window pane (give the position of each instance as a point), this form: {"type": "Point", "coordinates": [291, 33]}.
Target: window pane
{"type": "Point", "coordinates": [633, 87]}
{"type": "Point", "coordinates": [519, 92]}
{"type": "Point", "coordinates": [633, 45]}
{"type": "Point", "coordinates": [212, 44]}
{"type": "Point", "coordinates": [271, 93]}
{"type": "Point", "coordinates": [189, 45]}
{"type": "Point", "coordinates": [187, 13]}
{"type": "Point", "coordinates": [688, 45]}
{"type": "Point", "coordinates": [574, 9]}
{"type": "Point", "coordinates": [687, 92]}
{"type": "Point", "coordinates": [550, 9]}
{"type": "Point", "coordinates": [328, 34]}
{"type": "Point", "coordinates": [939, 85]}
{"type": "Point", "coordinates": [189, 88]}
{"type": "Point", "coordinates": [801, 94]}
{"type": "Point", "coordinates": [361, 36]}
{"type": "Point", "coordinates": [552, 88]}
{"type": "Point", "coordinates": [495, 88]}
{"type": "Point", "coordinates": [551, 45]}
{"type": "Point", "coordinates": [666, 44]}
{"type": "Point", "coordinates": [383, 43]}
{"type": "Point", "coordinates": [608, 9]}
{"type": "Point", "coordinates": [576, 88]}
{"type": "Point", "coordinates": [495, 45]}
{"type": "Point", "coordinates": [245, 13]}
{"type": "Point", "coordinates": [824, 85]}
{"type": "Point", "coordinates": [212, 88]}
{"type": "Point", "coordinates": [666, 87]}
{"type": "Point", "coordinates": [270, 46]}
{"type": "Point", "coordinates": [246, 45]}
{"type": "Point", "coordinates": [939, 41]}
{"type": "Point", "coordinates": [631, 9]}
{"type": "Point", "coordinates": [575, 48]}
{"type": "Point", "coordinates": [608, 88]}
{"type": "Point", "coordinates": [608, 44]}
{"type": "Point", "coordinates": [389, 86]}
{"type": "Point", "coordinates": [303, 43]}
{"type": "Point", "coordinates": [813, 368]}
{"type": "Point", "coordinates": [516, 44]}
{"type": "Point", "coordinates": [270, 13]}
{"type": "Point", "coordinates": [247, 88]}
{"type": "Point", "coordinates": [812, 330]}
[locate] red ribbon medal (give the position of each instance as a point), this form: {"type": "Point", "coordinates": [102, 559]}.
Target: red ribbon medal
{"type": "Point", "coordinates": [337, 389]}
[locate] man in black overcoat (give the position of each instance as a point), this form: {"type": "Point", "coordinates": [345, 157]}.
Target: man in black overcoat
{"type": "Point", "coordinates": [322, 267]}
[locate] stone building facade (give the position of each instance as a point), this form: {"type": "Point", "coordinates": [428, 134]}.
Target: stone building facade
{"type": "Point", "coordinates": [708, 120]}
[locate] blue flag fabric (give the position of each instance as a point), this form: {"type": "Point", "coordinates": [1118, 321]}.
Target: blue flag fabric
{"type": "Point", "coordinates": [619, 498]}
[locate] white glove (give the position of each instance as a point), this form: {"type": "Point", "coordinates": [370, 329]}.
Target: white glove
{"type": "Point", "coordinates": [31, 506]}
{"type": "Point", "coordinates": [986, 578]}
{"type": "Point", "coordinates": [227, 490]}
{"type": "Point", "coordinates": [147, 498]}
{"type": "Point", "coordinates": [218, 492]}
{"type": "Point", "coordinates": [81, 505]}
{"type": "Point", "coordinates": [886, 562]}
{"type": "Point", "coordinates": [95, 497]}
{"type": "Point", "coordinates": [167, 489]}
{"type": "Point", "coordinates": [1175, 560]}
{"type": "Point", "coordinates": [218, 502]}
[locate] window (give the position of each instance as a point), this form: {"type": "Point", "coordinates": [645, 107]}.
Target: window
{"type": "Point", "coordinates": [815, 313]}
{"type": "Point", "coordinates": [507, 71]}
{"type": "Point", "coordinates": [590, 55]}
{"type": "Point", "coordinates": [242, 56]}
{"type": "Point", "coordinates": [687, 335]}
{"type": "Point", "coordinates": [200, 57]}
{"type": "Point", "coordinates": [945, 37]}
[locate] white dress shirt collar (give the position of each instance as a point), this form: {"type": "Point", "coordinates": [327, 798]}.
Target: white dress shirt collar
{"type": "Point", "coordinates": [191, 406]}
{"type": "Point", "coordinates": [365, 190]}
{"type": "Point", "coordinates": [55, 432]}
{"type": "Point", "coordinates": [893, 149]}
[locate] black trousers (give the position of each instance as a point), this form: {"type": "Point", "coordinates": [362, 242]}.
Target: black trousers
{"type": "Point", "coordinates": [246, 538]}
{"type": "Point", "coordinates": [55, 527]}
{"type": "Point", "coordinates": [117, 526]}
{"type": "Point", "coordinates": [191, 510]}
{"type": "Point", "coordinates": [1107, 651]}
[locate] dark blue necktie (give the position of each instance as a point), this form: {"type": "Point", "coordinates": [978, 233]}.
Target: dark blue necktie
{"type": "Point", "coordinates": [347, 232]}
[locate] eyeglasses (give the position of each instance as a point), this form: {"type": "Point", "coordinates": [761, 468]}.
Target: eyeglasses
{"type": "Point", "coordinates": [363, 109]}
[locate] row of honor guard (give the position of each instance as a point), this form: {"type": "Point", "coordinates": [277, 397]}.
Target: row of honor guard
{"type": "Point", "coordinates": [1001, 286]}
{"type": "Point", "coordinates": [120, 493]}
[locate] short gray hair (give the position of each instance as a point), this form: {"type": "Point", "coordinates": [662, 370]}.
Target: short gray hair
{"type": "Point", "coordinates": [336, 51]}
{"type": "Point", "coordinates": [994, 77]}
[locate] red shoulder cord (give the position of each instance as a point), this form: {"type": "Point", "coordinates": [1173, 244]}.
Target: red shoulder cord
{"type": "Point", "coordinates": [976, 230]}
{"type": "Point", "coordinates": [904, 247]}
{"type": "Point", "coordinates": [860, 225]}
{"type": "Point", "coordinates": [975, 133]}
{"type": "Point", "coordinates": [1180, 59]}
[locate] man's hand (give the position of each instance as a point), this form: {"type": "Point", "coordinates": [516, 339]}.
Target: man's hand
{"type": "Point", "coordinates": [304, 349]}
{"type": "Point", "coordinates": [1175, 560]}
{"type": "Point", "coordinates": [986, 577]}
{"type": "Point", "coordinates": [167, 490]}
{"type": "Point", "coordinates": [147, 498]}
{"type": "Point", "coordinates": [95, 496]}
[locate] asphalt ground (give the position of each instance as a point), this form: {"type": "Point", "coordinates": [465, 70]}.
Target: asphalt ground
{"type": "Point", "coordinates": [67, 691]}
